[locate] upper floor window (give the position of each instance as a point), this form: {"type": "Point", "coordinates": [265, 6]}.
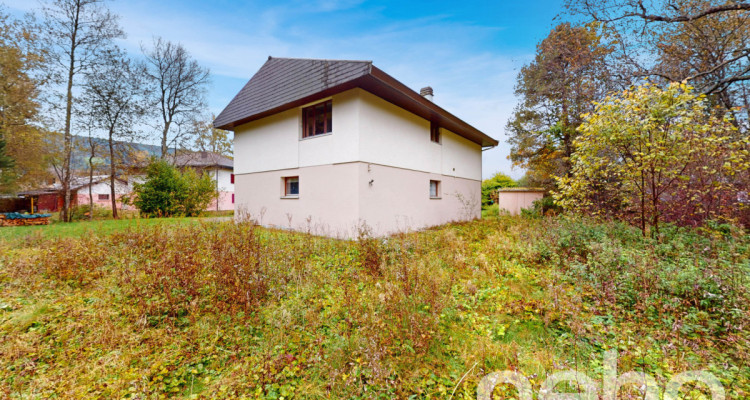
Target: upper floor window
{"type": "Point", "coordinates": [317, 119]}
{"type": "Point", "coordinates": [435, 132]}
{"type": "Point", "coordinates": [231, 178]}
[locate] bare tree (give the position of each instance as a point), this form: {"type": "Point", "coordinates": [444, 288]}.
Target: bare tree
{"type": "Point", "coordinates": [671, 10]}
{"type": "Point", "coordinates": [179, 89]}
{"type": "Point", "coordinates": [114, 96]}
{"type": "Point", "coordinates": [77, 32]}
{"type": "Point", "coordinates": [705, 42]}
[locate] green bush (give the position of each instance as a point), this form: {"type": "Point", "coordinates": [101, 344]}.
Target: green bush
{"type": "Point", "coordinates": [688, 274]}
{"type": "Point", "coordinates": [168, 192]}
{"type": "Point", "coordinates": [541, 207]}
{"type": "Point", "coordinates": [491, 211]}
{"type": "Point", "coordinates": [491, 185]}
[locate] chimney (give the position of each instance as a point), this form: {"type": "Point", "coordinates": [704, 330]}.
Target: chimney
{"type": "Point", "coordinates": [426, 92]}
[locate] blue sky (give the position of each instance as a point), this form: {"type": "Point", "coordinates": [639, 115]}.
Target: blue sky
{"type": "Point", "coordinates": [469, 52]}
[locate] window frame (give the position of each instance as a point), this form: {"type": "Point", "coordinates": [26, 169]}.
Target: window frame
{"type": "Point", "coordinates": [435, 136]}
{"type": "Point", "coordinates": [327, 119]}
{"type": "Point", "coordinates": [285, 189]}
{"type": "Point", "coordinates": [100, 198]}
{"type": "Point", "coordinates": [231, 179]}
{"type": "Point", "coordinates": [437, 195]}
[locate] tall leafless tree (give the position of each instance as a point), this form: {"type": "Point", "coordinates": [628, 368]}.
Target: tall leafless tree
{"type": "Point", "coordinates": [179, 89]}
{"type": "Point", "coordinates": [77, 32]}
{"type": "Point", "coordinates": [114, 96]}
{"type": "Point", "coordinates": [705, 42]}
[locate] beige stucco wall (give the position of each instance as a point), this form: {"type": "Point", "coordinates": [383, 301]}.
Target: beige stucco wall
{"type": "Point", "coordinates": [365, 128]}
{"type": "Point", "coordinates": [514, 201]}
{"type": "Point", "coordinates": [328, 196]}
{"type": "Point", "coordinates": [276, 142]}
{"type": "Point", "coordinates": [338, 198]}
{"type": "Point", "coordinates": [398, 200]}
{"type": "Point", "coordinates": [371, 140]}
{"type": "Point", "coordinates": [390, 135]}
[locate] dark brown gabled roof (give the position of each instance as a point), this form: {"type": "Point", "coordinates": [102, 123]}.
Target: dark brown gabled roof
{"type": "Point", "coordinates": [285, 83]}
{"type": "Point", "coordinates": [202, 159]}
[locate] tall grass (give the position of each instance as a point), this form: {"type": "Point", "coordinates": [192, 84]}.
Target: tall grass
{"type": "Point", "coordinates": [223, 310]}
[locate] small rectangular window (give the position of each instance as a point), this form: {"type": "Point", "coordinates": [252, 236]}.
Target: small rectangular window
{"type": "Point", "coordinates": [435, 132]}
{"type": "Point", "coordinates": [232, 198]}
{"type": "Point", "coordinates": [317, 119]}
{"type": "Point", "coordinates": [291, 186]}
{"type": "Point", "coordinates": [434, 189]}
{"type": "Point", "coordinates": [231, 178]}
{"type": "Point", "coordinates": [103, 197]}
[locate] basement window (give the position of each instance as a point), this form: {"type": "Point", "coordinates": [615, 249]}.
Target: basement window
{"type": "Point", "coordinates": [104, 197]}
{"type": "Point", "coordinates": [317, 119]}
{"type": "Point", "coordinates": [435, 132]}
{"type": "Point", "coordinates": [434, 189]}
{"type": "Point", "coordinates": [291, 186]}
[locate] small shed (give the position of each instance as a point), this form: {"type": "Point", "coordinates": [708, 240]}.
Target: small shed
{"type": "Point", "coordinates": [515, 199]}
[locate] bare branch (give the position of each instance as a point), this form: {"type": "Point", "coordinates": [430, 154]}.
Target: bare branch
{"type": "Point", "coordinates": [180, 84]}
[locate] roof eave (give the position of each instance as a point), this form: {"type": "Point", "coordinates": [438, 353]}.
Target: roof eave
{"type": "Point", "coordinates": [408, 99]}
{"type": "Point", "coordinates": [390, 89]}
{"type": "Point", "coordinates": [297, 103]}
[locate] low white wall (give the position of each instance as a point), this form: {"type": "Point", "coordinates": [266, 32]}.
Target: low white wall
{"type": "Point", "coordinates": [514, 201]}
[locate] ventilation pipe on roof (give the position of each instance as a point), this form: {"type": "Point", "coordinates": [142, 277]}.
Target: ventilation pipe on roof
{"type": "Point", "coordinates": [426, 92]}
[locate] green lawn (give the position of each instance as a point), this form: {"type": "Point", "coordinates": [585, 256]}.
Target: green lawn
{"type": "Point", "coordinates": [13, 234]}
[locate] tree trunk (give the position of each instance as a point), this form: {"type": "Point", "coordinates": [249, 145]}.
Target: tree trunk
{"type": "Point", "coordinates": [655, 206]}
{"type": "Point", "coordinates": [91, 182]}
{"type": "Point", "coordinates": [112, 174]}
{"type": "Point", "coordinates": [164, 134]}
{"type": "Point", "coordinates": [643, 204]}
{"type": "Point", "coordinates": [68, 149]}
{"type": "Point", "coordinates": [68, 146]}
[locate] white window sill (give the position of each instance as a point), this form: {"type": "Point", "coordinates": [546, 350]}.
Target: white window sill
{"type": "Point", "coordinates": [316, 136]}
{"type": "Point", "coordinates": [290, 197]}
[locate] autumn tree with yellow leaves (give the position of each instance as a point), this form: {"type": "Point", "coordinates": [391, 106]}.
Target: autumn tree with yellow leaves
{"type": "Point", "coordinates": [568, 72]}
{"type": "Point", "coordinates": [650, 154]}
{"type": "Point", "coordinates": [24, 143]}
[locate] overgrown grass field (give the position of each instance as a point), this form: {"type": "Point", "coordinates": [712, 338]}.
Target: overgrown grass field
{"type": "Point", "coordinates": [223, 310]}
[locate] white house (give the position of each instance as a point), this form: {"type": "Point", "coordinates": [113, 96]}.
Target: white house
{"type": "Point", "coordinates": [330, 145]}
{"type": "Point", "coordinates": [219, 167]}
{"type": "Point", "coordinates": [51, 198]}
